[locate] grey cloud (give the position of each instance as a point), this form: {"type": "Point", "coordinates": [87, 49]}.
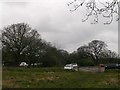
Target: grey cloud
{"type": "Point", "coordinates": [16, 4]}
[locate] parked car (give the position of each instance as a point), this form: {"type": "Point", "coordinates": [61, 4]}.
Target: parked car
{"type": "Point", "coordinates": [71, 66]}
{"type": "Point", "coordinates": [74, 65]}
{"type": "Point", "coordinates": [112, 66]}
{"type": "Point", "coordinates": [36, 64]}
{"type": "Point", "coordinates": [23, 64]}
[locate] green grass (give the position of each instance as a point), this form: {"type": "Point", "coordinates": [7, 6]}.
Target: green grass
{"type": "Point", "coordinates": [0, 77]}
{"type": "Point", "coordinates": [22, 77]}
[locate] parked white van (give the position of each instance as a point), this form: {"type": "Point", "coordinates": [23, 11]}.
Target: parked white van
{"type": "Point", "coordinates": [23, 64]}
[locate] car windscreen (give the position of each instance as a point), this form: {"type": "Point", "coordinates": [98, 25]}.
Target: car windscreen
{"type": "Point", "coordinates": [67, 66]}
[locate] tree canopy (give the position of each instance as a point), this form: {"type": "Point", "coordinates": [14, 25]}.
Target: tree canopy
{"type": "Point", "coordinates": [21, 43]}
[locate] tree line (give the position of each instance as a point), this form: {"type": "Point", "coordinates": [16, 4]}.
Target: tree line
{"type": "Point", "coordinates": [21, 43]}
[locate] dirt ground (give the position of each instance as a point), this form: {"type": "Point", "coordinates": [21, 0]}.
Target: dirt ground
{"type": "Point", "coordinates": [89, 69]}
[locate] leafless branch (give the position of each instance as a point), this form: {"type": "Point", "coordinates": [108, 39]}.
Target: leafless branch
{"type": "Point", "coordinates": [108, 9]}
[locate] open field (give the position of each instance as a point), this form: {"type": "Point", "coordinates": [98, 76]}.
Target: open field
{"type": "Point", "coordinates": [22, 77]}
{"type": "Point", "coordinates": [0, 77]}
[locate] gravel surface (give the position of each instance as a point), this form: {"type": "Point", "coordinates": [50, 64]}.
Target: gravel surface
{"type": "Point", "coordinates": [88, 69]}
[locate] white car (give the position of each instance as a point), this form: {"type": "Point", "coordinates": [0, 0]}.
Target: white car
{"type": "Point", "coordinates": [75, 65]}
{"type": "Point", "coordinates": [23, 64]}
{"type": "Point", "coordinates": [70, 66]}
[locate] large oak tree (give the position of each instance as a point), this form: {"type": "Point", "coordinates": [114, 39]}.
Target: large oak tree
{"type": "Point", "coordinates": [17, 39]}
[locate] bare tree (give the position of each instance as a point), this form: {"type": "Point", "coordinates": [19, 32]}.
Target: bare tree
{"type": "Point", "coordinates": [106, 8]}
{"type": "Point", "coordinates": [17, 38]}
{"type": "Point", "coordinates": [97, 47]}
{"type": "Point", "coordinates": [93, 49]}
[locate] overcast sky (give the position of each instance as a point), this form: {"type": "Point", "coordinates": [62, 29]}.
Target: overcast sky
{"type": "Point", "coordinates": [57, 24]}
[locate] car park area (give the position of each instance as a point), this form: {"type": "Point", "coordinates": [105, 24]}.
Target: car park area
{"type": "Point", "coordinates": [112, 66]}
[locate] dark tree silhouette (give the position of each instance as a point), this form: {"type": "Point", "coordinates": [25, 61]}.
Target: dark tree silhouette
{"type": "Point", "coordinates": [16, 39]}
{"type": "Point", "coordinates": [94, 50]}
{"type": "Point", "coordinates": [106, 8]}
{"type": "Point", "coordinates": [21, 43]}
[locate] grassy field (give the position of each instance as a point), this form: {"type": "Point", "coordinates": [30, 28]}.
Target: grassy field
{"type": "Point", "coordinates": [0, 77]}
{"type": "Point", "coordinates": [22, 77]}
